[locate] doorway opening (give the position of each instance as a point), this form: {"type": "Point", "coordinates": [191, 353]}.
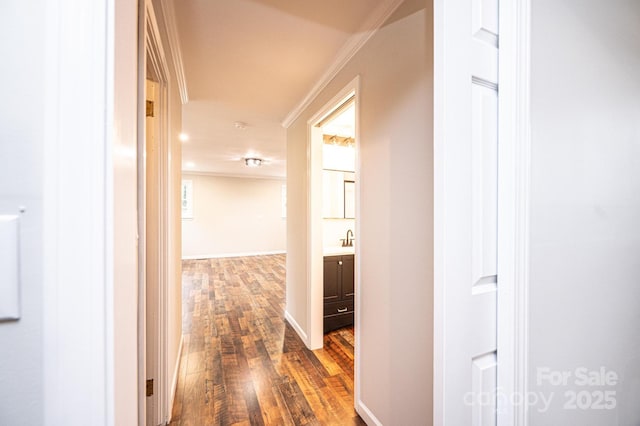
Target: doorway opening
{"type": "Point", "coordinates": [333, 206]}
{"type": "Point", "coordinates": [338, 216]}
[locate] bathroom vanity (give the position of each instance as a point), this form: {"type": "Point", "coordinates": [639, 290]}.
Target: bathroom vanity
{"type": "Point", "coordinates": [339, 278]}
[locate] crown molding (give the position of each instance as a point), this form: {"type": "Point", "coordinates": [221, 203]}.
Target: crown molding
{"type": "Point", "coordinates": [169, 18]}
{"type": "Point", "coordinates": [155, 49]}
{"type": "Point", "coordinates": [373, 23]}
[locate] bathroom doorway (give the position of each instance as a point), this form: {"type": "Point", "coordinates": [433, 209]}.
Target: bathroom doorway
{"type": "Point", "coordinates": [338, 217]}
{"type": "Point", "coordinates": [334, 187]}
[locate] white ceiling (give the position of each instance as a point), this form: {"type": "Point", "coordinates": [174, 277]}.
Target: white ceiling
{"type": "Point", "coordinates": [254, 61]}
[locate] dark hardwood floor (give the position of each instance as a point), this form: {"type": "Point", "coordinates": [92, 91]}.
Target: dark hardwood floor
{"type": "Point", "coordinates": [242, 364]}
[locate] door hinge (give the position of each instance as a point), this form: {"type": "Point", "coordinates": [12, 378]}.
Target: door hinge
{"type": "Point", "coordinates": [150, 109]}
{"type": "Point", "coordinates": [150, 387]}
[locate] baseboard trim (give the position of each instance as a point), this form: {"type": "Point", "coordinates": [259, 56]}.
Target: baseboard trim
{"type": "Point", "coordinates": [366, 414]}
{"type": "Point", "coordinates": [174, 383]}
{"type": "Point", "coordinates": [296, 327]}
{"type": "Point", "coordinates": [225, 255]}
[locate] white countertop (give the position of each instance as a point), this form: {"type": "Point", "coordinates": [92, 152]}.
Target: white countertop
{"type": "Point", "coordinates": [338, 250]}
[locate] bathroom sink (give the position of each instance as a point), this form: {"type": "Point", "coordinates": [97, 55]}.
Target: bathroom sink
{"type": "Point", "coordinates": [338, 250]}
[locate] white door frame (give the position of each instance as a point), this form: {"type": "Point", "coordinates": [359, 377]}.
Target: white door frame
{"type": "Point", "coordinates": [151, 49]}
{"type": "Point", "coordinates": [513, 214]}
{"type": "Point", "coordinates": [315, 286]}
{"type": "Point", "coordinates": [78, 224]}
{"type": "Point", "coordinates": [89, 251]}
{"type": "Point", "coordinates": [514, 153]}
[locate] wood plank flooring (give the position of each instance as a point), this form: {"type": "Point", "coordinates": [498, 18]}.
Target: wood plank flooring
{"type": "Point", "coordinates": [242, 364]}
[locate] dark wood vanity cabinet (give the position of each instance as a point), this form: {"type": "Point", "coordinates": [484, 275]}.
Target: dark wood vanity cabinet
{"type": "Point", "coordinates": [339, 281]}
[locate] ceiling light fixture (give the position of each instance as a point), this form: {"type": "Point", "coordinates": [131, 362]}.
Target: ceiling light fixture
{"type": "Point", "coordinates": [183, 137]}
{"type": "Point", "coordinates": [240, 125]}
{"type": "Point", "coordinates": [253, 162]}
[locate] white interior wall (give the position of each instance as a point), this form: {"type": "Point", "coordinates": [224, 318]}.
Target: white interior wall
{"type": "Point", "coordinates": [337, 157]}
{"type": "Point", "coordinates": [21, 163]}
{"type": "Point", "coordinates": [396, 241]}
{"type": "Point", "coordinates": [234, 216]}
{"type": "Point", "coordinates": [585, 203]}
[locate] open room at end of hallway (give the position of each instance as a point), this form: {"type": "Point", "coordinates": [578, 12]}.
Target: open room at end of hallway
{"type": "Point", "coordinates": [234, 216]}
{"type": "Point", "coordinates": [242, 362]}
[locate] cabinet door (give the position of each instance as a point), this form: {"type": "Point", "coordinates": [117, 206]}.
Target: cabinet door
{"type": "Point", "coordinates": [348, 277]}
{"type": "Point", "coordinates": [332, 271]}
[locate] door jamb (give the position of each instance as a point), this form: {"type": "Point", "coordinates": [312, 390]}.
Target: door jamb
{"type": "Point", "coordinates": [79, 332]}
{"type": "Point", "coordinates": [150, 47]}
{"type": "Point", "coordinates": [513, 230]}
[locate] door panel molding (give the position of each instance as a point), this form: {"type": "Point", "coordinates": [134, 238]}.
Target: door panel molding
{"type": "Point", "coordinates": [501, 268]}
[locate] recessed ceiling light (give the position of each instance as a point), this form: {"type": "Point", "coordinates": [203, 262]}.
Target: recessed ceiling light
{"type": "Point", "coordinates": [190, 164]}
{"type": "Point", "coordinates": [253, 162]}
{"type": "Point", "coordinates": [183, 137]}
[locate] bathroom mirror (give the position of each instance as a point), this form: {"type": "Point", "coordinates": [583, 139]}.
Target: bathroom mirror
{"type": "Point", "coordinates": [349, 199]}
{"type": "Point", "coordinates": [338, 194]}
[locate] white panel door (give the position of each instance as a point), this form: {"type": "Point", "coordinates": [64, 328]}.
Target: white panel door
{"type": "Point", "coordinates": [467, 218]}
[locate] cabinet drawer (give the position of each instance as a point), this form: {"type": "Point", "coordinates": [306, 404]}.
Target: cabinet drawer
{"type": "Point", "coordinates": [334, 322]}
{"type": "Point", "coordinates": [334, 308]}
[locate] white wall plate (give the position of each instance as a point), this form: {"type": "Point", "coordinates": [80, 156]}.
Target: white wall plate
{"type": "Point", "coordinates": [9, 268]}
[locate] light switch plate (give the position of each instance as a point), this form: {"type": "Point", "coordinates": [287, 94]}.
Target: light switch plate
{"type": "Point", "coordinates": [9, 268]}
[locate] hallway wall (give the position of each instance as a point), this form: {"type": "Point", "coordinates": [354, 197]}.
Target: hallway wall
{"type": "Point", "coordinates": [21, 183]}
{"type": "Point", "coordinates": [396, 204]}
{"type": "Point", "coordinates": [585, 204]}
{"type": "Point", "coordinates": [234, 216]}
